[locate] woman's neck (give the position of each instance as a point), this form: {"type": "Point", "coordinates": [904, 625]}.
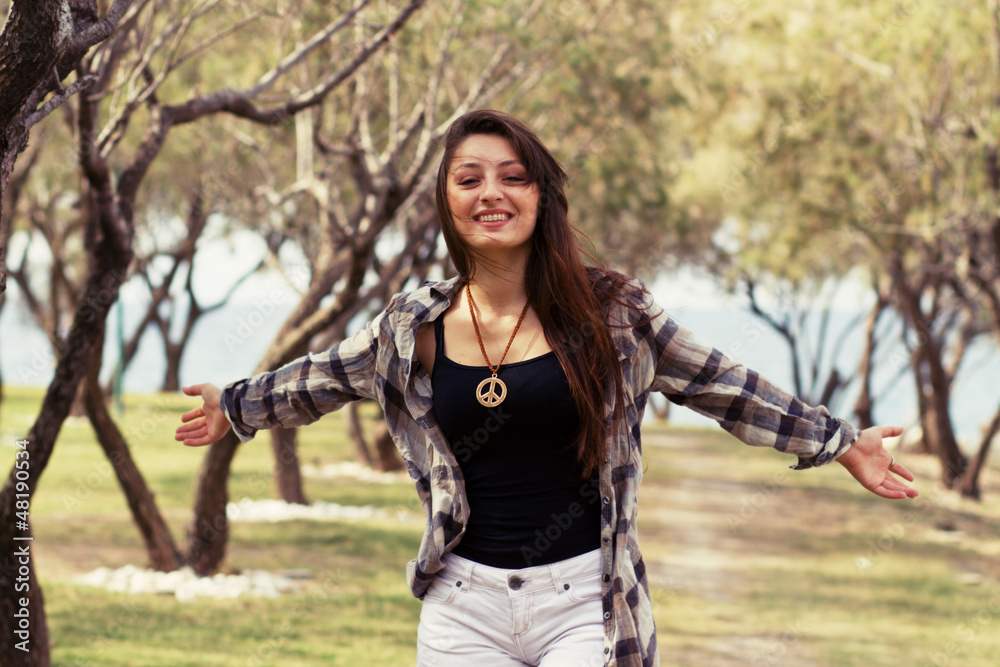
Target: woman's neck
{"type": "Point", "coordinates": [498, 289]}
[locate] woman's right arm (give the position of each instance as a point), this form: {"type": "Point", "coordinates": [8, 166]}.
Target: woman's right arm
{"type": "Point", "coordinates": [296, 394]}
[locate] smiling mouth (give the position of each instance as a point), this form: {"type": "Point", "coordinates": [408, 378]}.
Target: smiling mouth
{"type": "Point", "coordinates": [494, 217]}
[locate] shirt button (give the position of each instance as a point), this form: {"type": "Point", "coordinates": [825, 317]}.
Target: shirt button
{"type": "Point", "coordinates": [607, 577]}
{"type": "Point", "coordinates": [606, 500]}
{"type": "Point", "coordinates": [607, 614]}
{"type": "Point", "coordinates": [515, 583]}
{"type": "Point", "coordinates": [606, 540]}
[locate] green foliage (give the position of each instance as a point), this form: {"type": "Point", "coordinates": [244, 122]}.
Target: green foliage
{"type": "Point", "coordinates": [825, 130]}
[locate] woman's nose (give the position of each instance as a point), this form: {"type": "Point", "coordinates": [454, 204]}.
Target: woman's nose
{"type": "Point", "coordinates": [491, 191]}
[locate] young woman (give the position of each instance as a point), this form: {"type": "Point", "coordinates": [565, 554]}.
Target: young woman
{"type": "Point", "coordinates": [514, 393]}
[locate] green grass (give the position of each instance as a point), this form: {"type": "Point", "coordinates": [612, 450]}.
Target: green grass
{"type": "Point", "coordinates": [749, 563]}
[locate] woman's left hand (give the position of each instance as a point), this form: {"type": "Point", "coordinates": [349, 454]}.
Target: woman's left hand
{"type": "Point", "coordinates": [876, 469]}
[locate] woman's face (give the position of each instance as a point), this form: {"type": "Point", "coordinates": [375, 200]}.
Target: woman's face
{"type": "Point", "coordinates": [492, 204]}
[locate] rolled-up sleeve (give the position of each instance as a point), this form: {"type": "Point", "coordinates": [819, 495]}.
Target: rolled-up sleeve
{"type": "Point", "coordinates": [304, 390]}
{"type": "Point", "coordinates": [743, 402]}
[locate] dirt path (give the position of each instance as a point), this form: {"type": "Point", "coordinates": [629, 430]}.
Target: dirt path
{"type": "Point", "coordinates": [691, 550]}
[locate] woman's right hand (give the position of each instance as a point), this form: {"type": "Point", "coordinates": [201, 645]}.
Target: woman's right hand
{"type": "Point", "coordinates": [205, 424]}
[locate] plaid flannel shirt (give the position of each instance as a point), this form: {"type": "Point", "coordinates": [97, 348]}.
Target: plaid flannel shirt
{"type": "Point", "coordinates": [380, 363]}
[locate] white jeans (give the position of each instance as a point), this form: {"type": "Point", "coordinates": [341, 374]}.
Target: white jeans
{"type": "Point", "coordinates": [545, 616]}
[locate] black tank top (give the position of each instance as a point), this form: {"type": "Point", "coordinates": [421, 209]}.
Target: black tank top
{"type": "Point", "coordinates": [528, 504]}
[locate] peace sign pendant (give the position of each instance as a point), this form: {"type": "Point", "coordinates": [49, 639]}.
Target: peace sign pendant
{"type": "Point", "coordinates": [486, 392]}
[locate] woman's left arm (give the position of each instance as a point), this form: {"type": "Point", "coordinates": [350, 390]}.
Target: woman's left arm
{"type": "Point", "coordinates": [760, 413]}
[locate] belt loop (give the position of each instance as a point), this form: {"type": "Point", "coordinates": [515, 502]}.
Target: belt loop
{"type": "Point", "coordinates": [557, 581]}
{"type": "Point", "coordinates": [468, 572]}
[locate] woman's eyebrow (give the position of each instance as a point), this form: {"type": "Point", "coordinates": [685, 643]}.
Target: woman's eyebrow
{"type": "Point", "coordinates": [475, 165]}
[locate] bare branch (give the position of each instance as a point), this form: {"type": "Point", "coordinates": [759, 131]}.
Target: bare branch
{"type": "Point", "coordinates": [782, 328]}
{"type": "Point", "coordinates": [295, 57]}
{"type": "Point", "coordinates": [143, 69]}
{"type": "Point", "coordinates": [232, 289]}
{"type": "Point", "coordinates": [241, 105]}
{"type": "Point", "coordinates": [424, 115]}
{"type": "Point", "coordinates": [319, 91]}
{"type": "Point", "coordinates": [824, 327]}
{"type": "Point", "coordinates": [207, 43]}
{"type": "Point", "coordinates": [103, 28]}
{"type": "Point", "coordinates": [58, 100]}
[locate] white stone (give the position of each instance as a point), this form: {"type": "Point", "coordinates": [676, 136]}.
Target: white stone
{"type": "Point", "coordinates": [186, 586]}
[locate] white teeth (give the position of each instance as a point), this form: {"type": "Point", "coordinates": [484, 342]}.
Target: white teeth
{"type": "Point", "coordinates": [493, 218]}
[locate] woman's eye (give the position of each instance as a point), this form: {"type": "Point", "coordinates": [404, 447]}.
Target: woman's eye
{"type": "Point", "coordinates": [467, 181]}
{"type": "Point", "coordinates": [516, 179]}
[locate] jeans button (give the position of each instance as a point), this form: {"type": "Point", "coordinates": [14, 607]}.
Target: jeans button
{"type": "Point", "coordinates": [515, 583]}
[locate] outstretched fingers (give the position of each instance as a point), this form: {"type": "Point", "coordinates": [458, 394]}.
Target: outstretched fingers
{"type": "Point", "coordinates": [897, 488]}
{"type": "Point", "coordinates": [193, 414]}
{"type": "Point", "coordinates": [901, 470]}
{"type": "Point", "coordinates": [191, 437]}
{"type": "Point", "coordinates": [200, 441]}
{"type": "Point", "coordinates": [891, 494]}
{"type": "Point", "coordinates": [190, 427]}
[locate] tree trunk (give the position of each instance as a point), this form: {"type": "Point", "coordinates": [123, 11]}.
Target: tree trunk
{"type": "Point", "coordinates": [287, 475]}
{"type": "Point", "coordinates": [357, 435]}
{"type": "Point", "coordinates": [209, 529]}
{"type": "Point", "coordinates": [864, 406]}
{"type": "Point", "coordinates": [100, 291]}
{"type": "Point", "coordinates": [13, 140]}
{"type": "Point", "coordinates": [163, 553]}
{"type": "Point", "coordinates": [19, 570]}
{"type": "Point", "coordinates": [928, 439]}
{"type": "Point", "coordinates": [33, 41]}
{"type": "Point", "coordinates": [834, 384]}
{"type": "Point", "coordinates": [933, 380]}
{"type": "Point", "coordinates": [933, 386]}
{"type": "Point", "coordinates": [969, 484]}
{"type": "Point", "coordinates": [953, 462]}
{"type": "Point", "coordinates": [388, 455]}
{"type": "Point", "coordinates": [172, 378]}
{"type": "Point", "coordinates": [78, 408]}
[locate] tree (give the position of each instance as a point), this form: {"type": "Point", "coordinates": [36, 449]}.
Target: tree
{"type": "Point", "coordinates": [38, 39]}
{"type": "Point", "coordinates": [35, 41]}
{"type": "Point", "coordinates": [871, 169]}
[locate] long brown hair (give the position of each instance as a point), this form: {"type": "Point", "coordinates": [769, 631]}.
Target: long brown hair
{"type": "Point", "coordinates": [570, 298]}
